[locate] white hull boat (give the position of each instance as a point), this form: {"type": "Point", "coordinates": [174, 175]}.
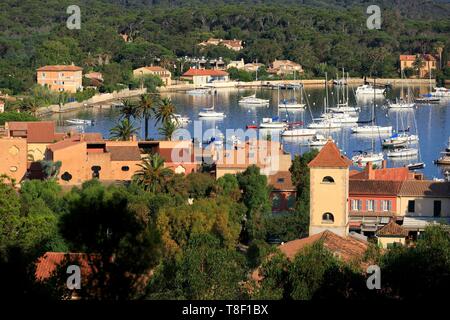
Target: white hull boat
{"type": "Point", "coordinates": [401, 105]}
{"type": "Point", "coordinates": [344, 109]}
{"type": "Point", "coordinates": [252, 100]}
{"type": "Point", "coordinates": [318, 141]}
{"type": "Point", "coordinates": [298, 132]}
{"type": "Point", "coordinates": [270, 123]}
{"type": "Point", "coordinates": [406, 152]}
{"type": "Point", "coordinates": [369, 90]}
{"type": "Point", "coordinates": [80, 122]}
{"type": "Point", "coordinates": [372, 129]}
{"type": "Point", "coordinates": [441, 92]}
{"type": "Point", "coordinates": [292, 105]}
{"type": "Point", "coordinates": [368, 157]}
{"type": "Point", "coordinates": [324, 124]}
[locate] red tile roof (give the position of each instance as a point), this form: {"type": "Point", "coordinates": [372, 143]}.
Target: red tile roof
{"type": "Point", "coordinates": [60, 68]}
{"type": "Point", "coordinates": [204, 72]}
{"type": "Point", "coordinates": [374, 187]}
{"type": "Point", "coordinates": [281, 181]}
{"type": "Point", "coordinates": [48, 263]}
{"type": "Point", "coordinates": [391, 174]}
{"type": "Point", "coordinates": [424, 188]}
{"type": "Point", "coordinates": [392, 229]}
{"type": "Point", "coordinates": [347, 248]}
{"type": "Point", "coordinates": [37, 131]}
{"type": "Point", "coordinates": [407, 57]}
{"type": "Point", "coordinates": [330, 156]}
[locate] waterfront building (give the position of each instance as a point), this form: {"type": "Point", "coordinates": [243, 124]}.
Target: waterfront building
{"type": "Point", "coordinates": [429, 63]}
{"type": "Point", "coordinates": [164, 74]}
{"type": "Point", "coordinates": [367, 201]}
{"type": "Point", "coordinates": [61, 78]}
{"type": "Point", "coordinates": [205, 76]}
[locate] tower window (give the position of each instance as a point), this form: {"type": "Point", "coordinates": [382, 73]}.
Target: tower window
{"type": "Point", "coordinates": [327, 218]}
{"type": "Point", "coordinates": [328, 179]}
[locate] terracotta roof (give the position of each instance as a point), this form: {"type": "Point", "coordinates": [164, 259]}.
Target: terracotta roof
{"type": "Point", "coordinates": [374, 187]}
{"type": "Point", "coordinates": [347, 248]}
{"type": "Point", "coordinates": [37, 131]}
{"type": "Point", "coordinates": [330, 156]}
{"type": "Point", "coordinates": [425, 188]}
{"type": "Point", "coordinates": [204, 72]}
{"type": "Point", "coordinates": [60, 68]}
{"type": "Point", "coordinates": [281, 181]}
{"type": "Point", "coordinates": [407, 57]}
{"type": "Point", "coordinates": [124, 153]}
{"type": "Point", "coordinates": [391, 174]}
{"type": "Point", "coordinates": [156, 68]}
{"type": "Point", "coordinates": [48, 263]}
{"type": "Point", "coordinates": [392, 229]}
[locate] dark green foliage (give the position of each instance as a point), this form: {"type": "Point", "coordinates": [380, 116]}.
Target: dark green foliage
{"type": "Point", "coordinates": [200, 185]}
{"type": "Point", "coordinates": [15, 116]}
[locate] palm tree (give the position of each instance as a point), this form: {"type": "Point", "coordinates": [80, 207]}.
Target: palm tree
{"type": "Point", "coordinates": [168, 128]}
{"type": "Point", "coordinates": [152, 175]}
{"type": "Point", "coordinates": [147, 106]}
{"type": "Point", "coordinates": [166, 111]}
{"type": "Point", "coordinates": [123, 131]}
{"type": "Point", "coordinates": [32, 106]}
{"type": "Point", "coordinates": [129, 110]}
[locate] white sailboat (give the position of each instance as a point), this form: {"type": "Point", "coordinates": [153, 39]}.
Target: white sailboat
{"type": "Point", "coordinates": [440, 92]}
{"type": "Point", "coordinates": [272, 123]}
{"type": "Point", "coordinates": [292, 103]}
{"type": "Point", "coordinates": [401, 103]}
{"type": "Point", "coordinates": [210, 112]}
{"type": "Point", "coordinates": [318, 141]}
{"type": "Point", "coordinates": [198, 91]}
{"type": "Point", "coordinates": [444, 159]}
{"type": "Point", "coordinates": [80, 122]}
{"type": "Point", "coordinates": [402, 152]}
{"type": "Point", "coordinates": [342, 106]}
{"type": "Point", "coordinates": [368, 89]}
{"type": "Point", "coordinates": [371, 156]}
{"type": "Point", "coordinates": [254, 101]}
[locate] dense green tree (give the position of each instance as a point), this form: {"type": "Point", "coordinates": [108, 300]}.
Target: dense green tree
{"type": "Point", "coordinates": [153, 176]}
{"type": "Point", "coordinates": [123, 131]}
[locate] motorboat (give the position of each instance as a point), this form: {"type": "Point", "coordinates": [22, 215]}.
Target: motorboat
{"type": "Point", "coordinates": [415, 166]}
{"type": "Point", "coordinates": [340, 117]}
{"type": "Point", "coordinates": [272, 123]}
{"type": "Point", "coordinates": [253, 100]}
{"type": "Point", "coordinates": [372, 129]}
{"type": "Point", "coordinates": [402, 152]}
{"type": "Point", "coordinates": [445, 157]}
{"type": "Point", "coordinates": [298, 132]}
{"type": "Point", "coordinates": [341, 108]}
{"type": "Point", "coordinates": [440, 92]}
{"type": "Point", "coordinates": [364, 157]}
{"type": "Point", "coordinates": [399, 139]}
{"type": "Point", "coordinates": [318, 140]}
{"type": "Point", "coordinates": [369, 89]}
{"type": "Point", "coordinates": [80, 122]}
{"type": "Point", "coordinates": [427, 99]}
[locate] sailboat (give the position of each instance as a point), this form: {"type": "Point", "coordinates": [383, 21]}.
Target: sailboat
{"type": "Point", "coordinates": [401, 138]}
{"type": "Point", "coordinates": [325, 123]}
{"type": "Point", "coordinates": [401, 103]}
{"type": "Point", "coordinates": [445, 158]}
{"type": "Point", "coordinates": [272, 123]}
{"type": "Point", "coordinates": [252, 100]}
{"type": "Point", "coordinates": [363, 157]}
{"type": "Point", "coordinates": [291, 103]}
{"type": "Point", "coordinates": [210, 112]}
{"type": "Point", "coordinates": [372, 129]}
{"type": "Point", "coordinates": [428, 98]}
{"type": "Point", "coordinates": [343, 107]}
{"type": "Point", "coordinates": [298, 130]}
{"type": "Point", "coordinates": [318, 141]}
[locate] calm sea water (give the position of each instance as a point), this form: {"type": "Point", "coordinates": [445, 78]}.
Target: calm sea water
{"type": "Point", "coordinates": [431, 122]}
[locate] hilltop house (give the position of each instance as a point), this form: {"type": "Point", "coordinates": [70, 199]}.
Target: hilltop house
{"type": "Point", "coordinates": [164, 74]}
{"type": "Point", "coordinates": [235, 45]}
{"type": "Point", "coordinates": [61, 78]}
{"type": "Point", "coordinates": [429, 63]}
{"type": "Point", "coordinates": [205, 76]}
{"type": "Point", "coordinates": [238, 64]}
{"type": "Point", "coordinates": [285, 67]}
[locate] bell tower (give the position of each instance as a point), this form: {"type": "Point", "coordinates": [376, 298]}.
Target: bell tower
{"type": "Point", "coordinates": [329, 183]}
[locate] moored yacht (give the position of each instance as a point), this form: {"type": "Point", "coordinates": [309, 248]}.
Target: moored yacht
{"type": "Point", "coordinates": [253, 100]}
{"type": "Point", "coordinates": [372, 129]}
{"type": "Point", "coordinates": [402, 152]}
{"type": "Point", "coordinates": [272, 123]}
{"type": "Point", "coordinates": [369, 89]}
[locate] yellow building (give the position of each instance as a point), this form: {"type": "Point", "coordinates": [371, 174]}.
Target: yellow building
{"type": "Point", "coordinates": [329, 189]}
{"type": "Point", "coordinates": [13, 157]}
{"type": "Point", "coordinates": [164, 74]}
{"type": "Point", "coordinates": [429, 63]}
{"type": "Point", "coordinates": [391, 234]}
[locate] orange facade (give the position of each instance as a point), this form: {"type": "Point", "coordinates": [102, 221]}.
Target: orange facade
{"type": "Point", "coordinates": [61, 78]}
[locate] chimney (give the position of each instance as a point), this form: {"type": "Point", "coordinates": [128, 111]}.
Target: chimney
{"type": "Point", "coordinates": [370, 171]}
{"type": "Point", "coordinates": [384, 164]}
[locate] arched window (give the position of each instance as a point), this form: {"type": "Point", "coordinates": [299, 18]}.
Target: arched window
{"type": "Point", "coordinates": [327, 218]}
{"type": "Point", "coordinates": [328, 179]}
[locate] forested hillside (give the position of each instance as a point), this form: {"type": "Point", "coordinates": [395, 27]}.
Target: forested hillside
{"type": "Point", "coordinates": [321, 35]}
